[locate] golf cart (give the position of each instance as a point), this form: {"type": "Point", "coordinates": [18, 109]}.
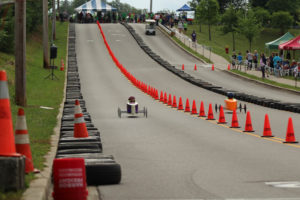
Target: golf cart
{"type": "Point", "coordinates": [150, 27]}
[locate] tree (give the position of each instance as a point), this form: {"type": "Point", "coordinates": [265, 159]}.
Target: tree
{"type": "Point", "coordinates": [290, 6]}
{"type": "Point", "coordinates": [230, 23]}
{"type": "Point", "coordinates": [262, 15]}
{"type": "Point", "coordinates": [208, 12]}
{"type": "Point", "coordinates": [249, 27]}
{"type": "Point", "coordinates": [282, 20]}
{"type": "Point", "coordinates": [259, 3]}
{"type": "Point", "coordinates": [193, 4]}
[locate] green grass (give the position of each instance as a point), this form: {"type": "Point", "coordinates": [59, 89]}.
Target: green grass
{"type": "Point", "coordinates": [40, 92]}
{"type": "Point", "coordinates": [266, 80]}
{"type": "Point", "coordinates": [219, 40]}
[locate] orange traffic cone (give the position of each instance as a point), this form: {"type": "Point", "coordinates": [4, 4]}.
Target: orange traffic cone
{"type": "Point", "coordinates": [228, 67]}
{"type": "Point", "coordinates": [234, 121]}
{"type": "Point", "coordinates": [182, 67]}
{"type": "Point", "coordinates": [80, 130]}
{"type": "Point", "coordinates": [161, 99]}
{"type": "Point", "coordinates": [195, 68]}
{"type": "Point", "coordinates": [170, 100]}
{"type": "Point", "coordinates": [174, 102]}
{"type": "Point", "coordinates": [165, 98]}
{"type": "Point", "coordinates": [290, 136]}
{"type": "Point", "coordinates": [22, 141]}
{"type": "Point", "coordinates": [62, 65]}
{"type": "Point", "coordinates": [213, 67]}
{"type": "Point", "coordinates": [194, 108]}
{"type": "Point", "coordinates": [210, 115]}
{"type": "Point", "coordinates": [202, 112]}
{"type": "Point", "coordinates": [222, 116]}
{"type": "Point", "coordinates": [156, 95]}
{"type": "Point", "coordinates": [187, 105]}
{"type": "Point", "coordinates": [267, 128]}
{"type": "Point", "coordinates": [180, 106]}
{"type": "Point", "coordinates": [7, 139]}
{"type": "Point", "coordinates": [248, 126]}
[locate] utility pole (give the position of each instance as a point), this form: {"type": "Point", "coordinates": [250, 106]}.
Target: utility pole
{"type": "Point", "coordinates": [150, 6]}
{"type": "Point", "coordinates": [53, 22]}
{"type": "Point", "coordinates": [20, 52]}
{"type": "Point", "coordinates": [45, 35]}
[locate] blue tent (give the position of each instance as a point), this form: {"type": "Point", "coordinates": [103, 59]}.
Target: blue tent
{"type": "Point", "coordinates": [95, 5]}
{"type": "Point", "coordinates": [184, 8]}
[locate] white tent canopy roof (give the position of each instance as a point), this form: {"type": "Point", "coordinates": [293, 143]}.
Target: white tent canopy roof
{"type": "Point", "coordinates": [95, 5]}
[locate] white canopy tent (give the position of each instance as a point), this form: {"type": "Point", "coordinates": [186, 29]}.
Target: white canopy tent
{"type": "Point", "coordinates": [95, 5]}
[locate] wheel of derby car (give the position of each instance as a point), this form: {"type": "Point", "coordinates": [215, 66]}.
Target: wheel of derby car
{"type": "Point", "coordinates": [145, 112]}
{"type": "Point", "coordinates": [119, 112]}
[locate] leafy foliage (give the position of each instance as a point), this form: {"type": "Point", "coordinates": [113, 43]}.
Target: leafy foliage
{"type": "Point", "coordinates": [282, 20]}
{"type": "Point", "coordinates": [249, 27]}
{"type": "Point", "coordinates": [262, 15]}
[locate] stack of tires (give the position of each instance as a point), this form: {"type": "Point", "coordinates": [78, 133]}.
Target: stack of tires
{"type": "Point", "coordinates": [100, 169]}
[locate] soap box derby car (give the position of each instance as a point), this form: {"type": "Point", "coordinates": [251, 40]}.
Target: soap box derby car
{"type": "Point", "coordinates": [132, 109]}
{"type": "Point", "coordinates": [231, 104]}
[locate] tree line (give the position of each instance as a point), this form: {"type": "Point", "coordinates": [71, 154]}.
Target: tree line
{"type": "Point", "coordinates": [247, 17]}
{"type": "Point", "coordinates": [34, 17]}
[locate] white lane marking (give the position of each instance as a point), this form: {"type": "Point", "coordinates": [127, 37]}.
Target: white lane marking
{"type": "Point", "coordinates": [287, 184]}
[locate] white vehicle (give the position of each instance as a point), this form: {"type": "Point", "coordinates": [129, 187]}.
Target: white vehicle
{"type": "Point", "coordinates": [132, 109]}
{"type": "Point", "coordinates": [150, 27]}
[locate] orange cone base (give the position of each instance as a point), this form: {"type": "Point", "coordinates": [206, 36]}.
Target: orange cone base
{"type": "Point", "coordinates": [295, 142]}
{"type": "Point", "coordinates": [267, 136]}
{"type": "Point", "coordinates": [211, 119]}
{"type": "Point", "coordinates": [221, 122]}
{"type": "Point", "coordinates": [249, 131]}
{"type": "Point", "coordinates": [235, 127]}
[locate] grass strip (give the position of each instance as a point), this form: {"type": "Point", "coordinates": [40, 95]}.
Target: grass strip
{"type": "Point", "coordinates": [265, 80]}
{"type": "Point", "coordinates": [40, 92]}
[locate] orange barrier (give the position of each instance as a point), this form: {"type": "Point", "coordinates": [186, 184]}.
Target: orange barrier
{"type": "Point", "coordinates": [180, 105]}
{"type": "Point", "coordinates": [194, 108]}
{"type": "Point", "coordinates": [234, 121]}
{"type": "Point", "coordinates": [290, 136]}
{"type": "Point", "coordinates": [170, 100]}
{"type": "Point", "coordinates": [248, 126]}
{"type": "Point", "coordinates": [210, 115]}
{"type": "Point", "coordinates": [80, 130]}
{"type": "Point", "coordinates": [7, 139]}
{"type": "Point", "coordinates": [174, 102]}
{"type": "Point", "coordinates": [222, 116]}
{"type": "Point", "coordinates": [22, 140]}
{"type": "Point", "coordinates": [202, 111]}
{"type": "Point", "coordinates": [267, 128]}
{"type": "Point", "coordinates": [187, 105]}
{"type": "Point", "coordinates": [230, 104]}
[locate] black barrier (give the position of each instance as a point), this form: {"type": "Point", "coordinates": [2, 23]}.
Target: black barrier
{"type": "Point", "coordinates": [208, 86]}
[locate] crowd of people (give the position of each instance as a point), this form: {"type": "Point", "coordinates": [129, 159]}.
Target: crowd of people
{"type": "Point", "coordinates": [275, 64]}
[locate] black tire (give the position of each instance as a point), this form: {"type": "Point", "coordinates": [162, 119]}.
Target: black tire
{"type": "Point", "coordinates": [119, 112]}
{"type": "Point", "coordinates": [86, 155]}
{"type": "Point", "coordinates": [77, 151]}
{"type": "Point", "coordinates": [79, 145]}
{"type": "Point", "coordinates": [102, 173]}
{"type": "Point", "coordinates": [87, 139]}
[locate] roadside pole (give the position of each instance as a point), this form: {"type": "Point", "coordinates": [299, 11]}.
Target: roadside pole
{"type": "Point", "coordinates": [53, 22]}
{"type": "Point", "coordinates": [20, 52]}
{"type": "Point", "coordinates": [45, 35]}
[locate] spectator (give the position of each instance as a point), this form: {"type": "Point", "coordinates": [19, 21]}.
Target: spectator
{"type": "Point", "coordinates": [194, 37]}
{"type": "Point", "coordinates": [262, 63]}
{"type": "Point", "coordinates": [250, 59]}
{"type": "Point", "coordinates": [240, 60]}
{"type": "Point", "coordinates": [276, 59]}
{"type": "Point", "coordinates": [185, 26]}
{"type": "Point", "coordinates": [271, 61]}
{"type": "Point", "coordinates": [180, 26]}
{"type": "Point", "coordinates": [255, 59]}
{"type": "Point", "coordinates": [233, 60]}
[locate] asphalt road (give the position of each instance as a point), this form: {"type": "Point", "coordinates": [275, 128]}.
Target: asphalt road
{"type": "Point", "coordinates": [172, 154]}
{"type": "Point", "coordinates": [164, 47]}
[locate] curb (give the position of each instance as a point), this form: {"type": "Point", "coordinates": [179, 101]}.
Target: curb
{"type": "Point", "coordinates": [262, 83]}
{"type": "Point", "coordinates": [292, 107]}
